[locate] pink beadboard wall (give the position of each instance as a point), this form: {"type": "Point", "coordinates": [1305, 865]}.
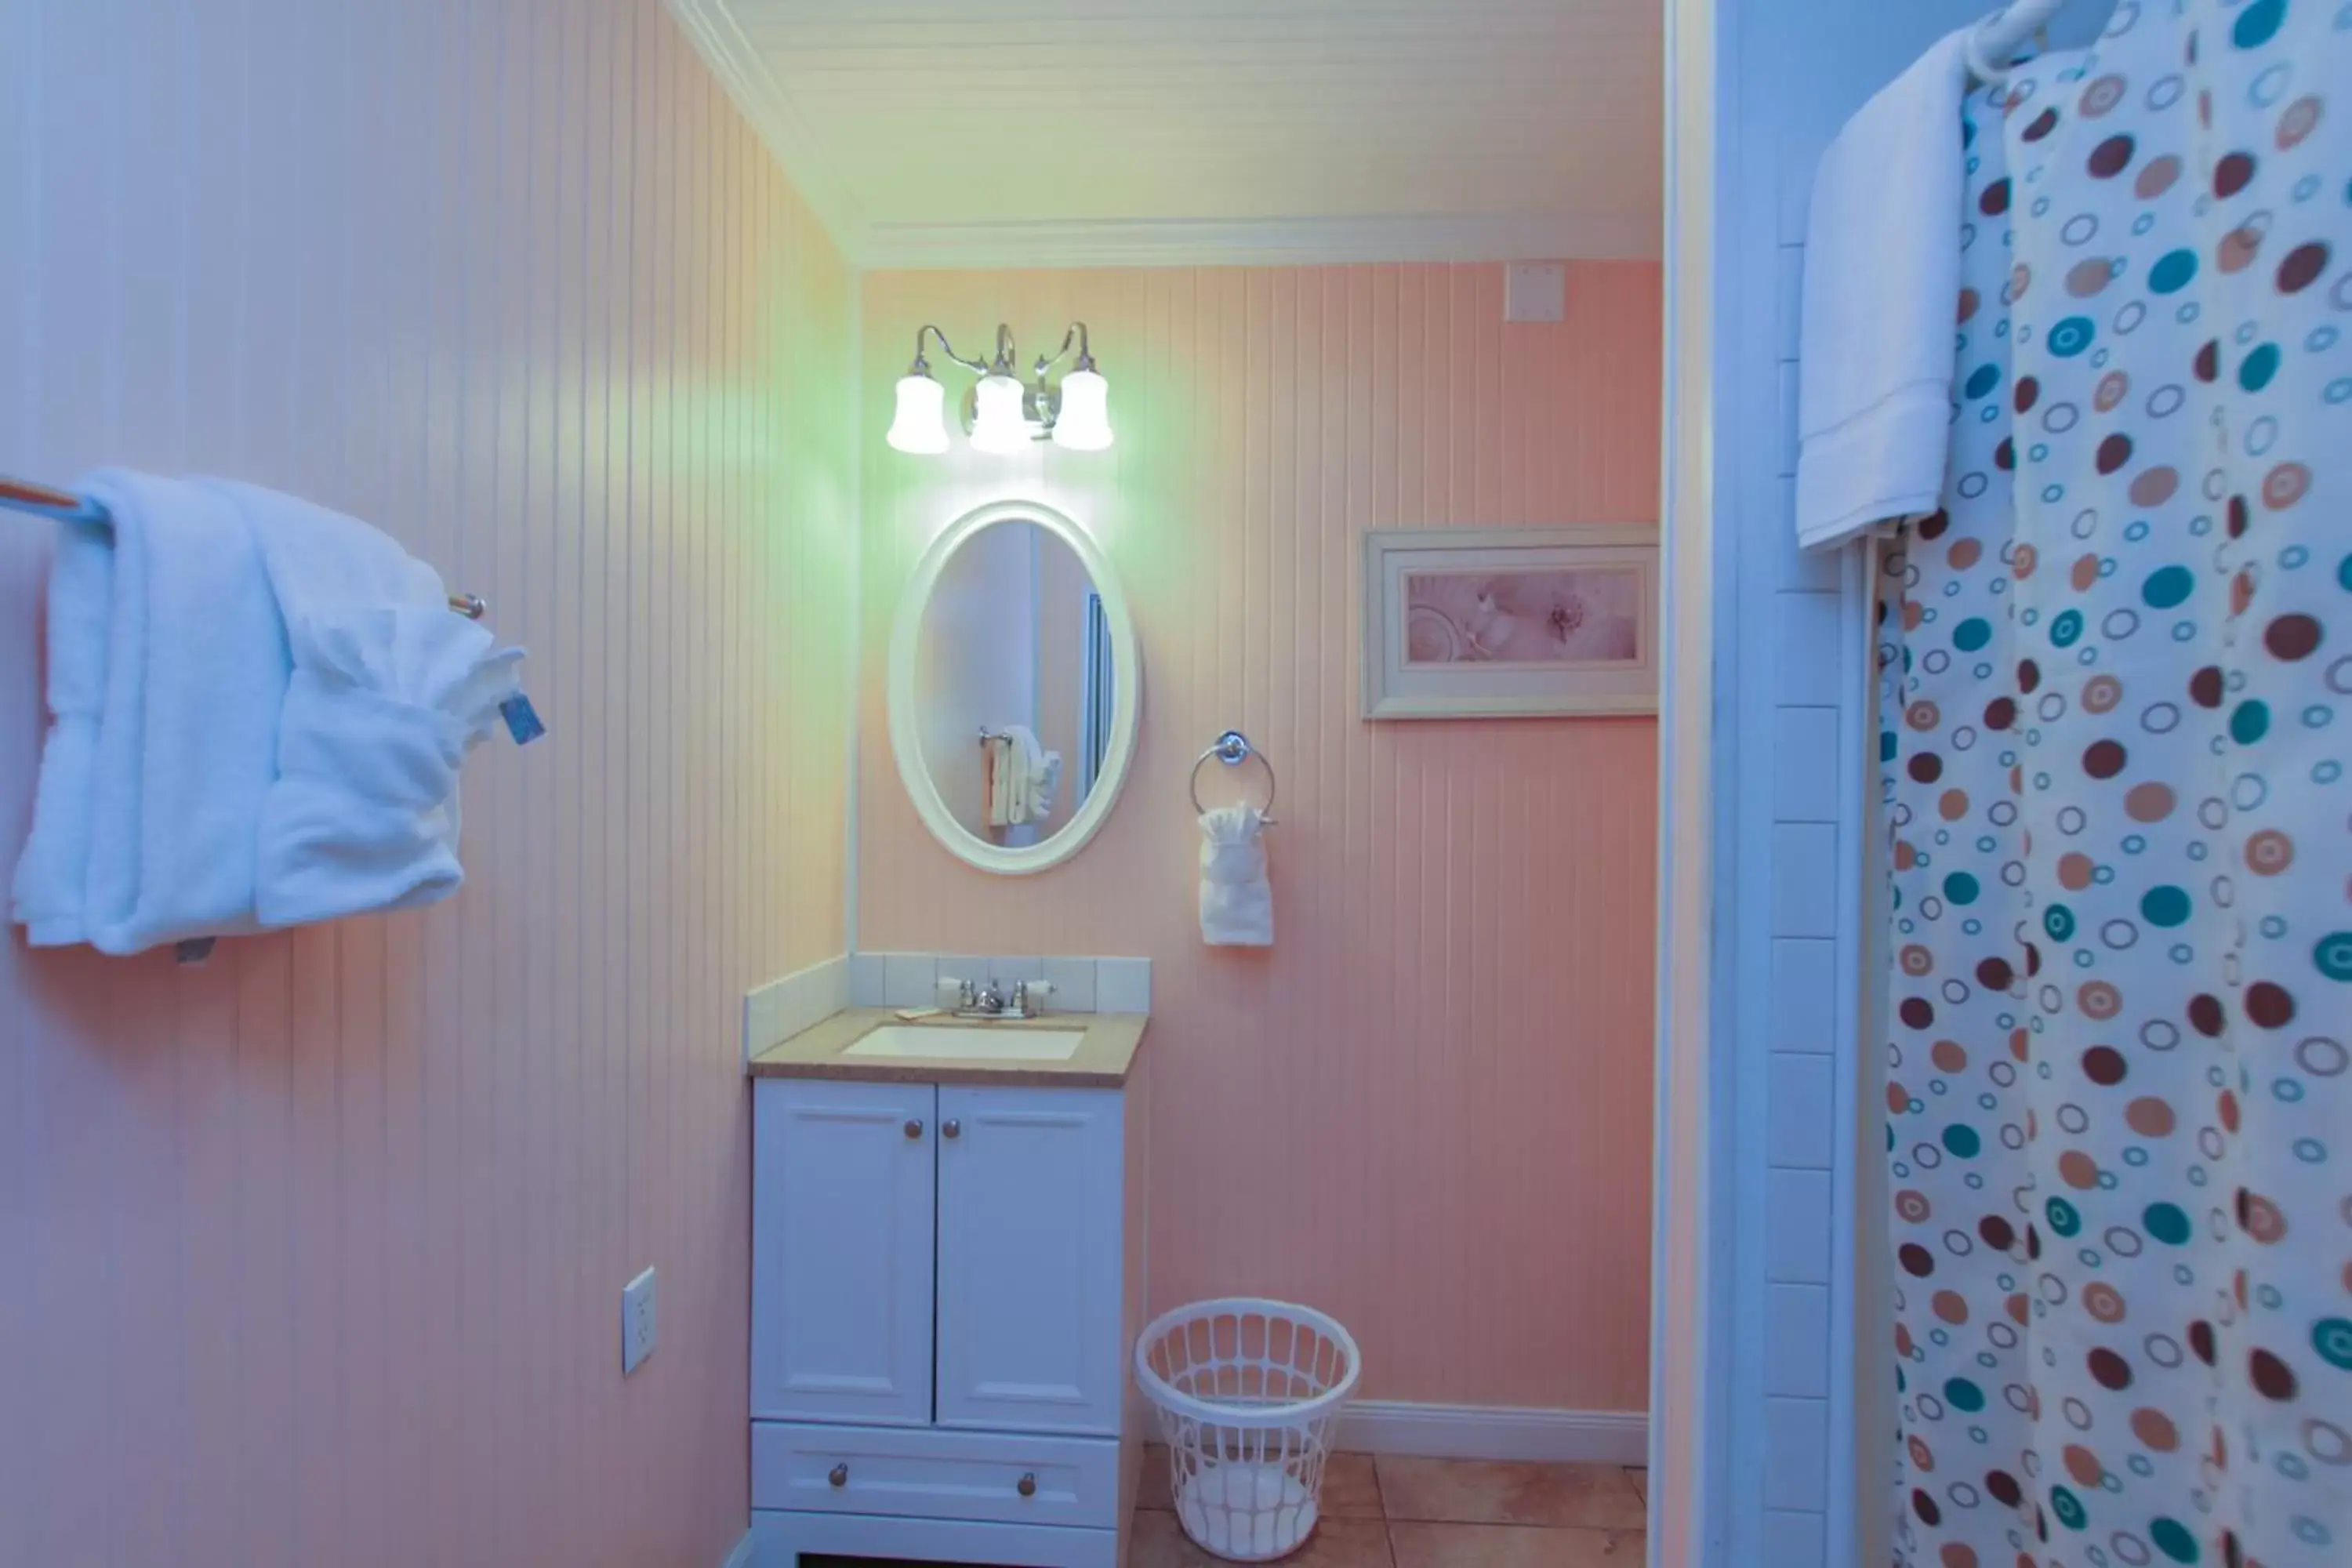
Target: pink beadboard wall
{"type": "Point", "coordinates": [314, 1253]}
{"type": "Point", "coordinates": [1427, 1109]}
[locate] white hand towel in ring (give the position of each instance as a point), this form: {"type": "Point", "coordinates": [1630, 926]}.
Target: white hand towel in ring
{"type": "Point", "coordinates": [1236, 899]}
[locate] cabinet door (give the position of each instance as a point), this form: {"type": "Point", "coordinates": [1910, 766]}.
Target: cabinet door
{"type": "Point", "coordinates": [841, 1211]}
{"type": "Point", "coordinates": [1030, 1253]}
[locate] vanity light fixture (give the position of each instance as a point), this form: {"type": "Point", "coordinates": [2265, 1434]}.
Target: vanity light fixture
{"type": "Point", "coordinates": [1001, 413]}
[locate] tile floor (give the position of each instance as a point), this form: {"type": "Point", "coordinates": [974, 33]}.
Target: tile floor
{"type": "Point", "coordinates": [1391, 1513]}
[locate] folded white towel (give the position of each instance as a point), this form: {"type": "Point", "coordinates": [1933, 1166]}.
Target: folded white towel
{"type": "Point", "coordinates": [259, 707]}
{"type": "Point", "coordinates": [997, 784]}
{"type": "Point", "coordinates": [1236, 899]}
{"type": "Point", "coordinates": [389, 691]}
{"type": "Point", "coordinates": [50, 894]}
{"type": "Point", "coordinates": [1881, 281]}
{"type": "Point", "coordinates": [1027, 791]}
{"type": "Point", "coordinates": [1042, 785]}
{"type": "Point", "coordinates": [167, 614]}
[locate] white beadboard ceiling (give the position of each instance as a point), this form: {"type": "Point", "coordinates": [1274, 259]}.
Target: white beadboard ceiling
{"type": "Point", "coordinates": [1074, 133]}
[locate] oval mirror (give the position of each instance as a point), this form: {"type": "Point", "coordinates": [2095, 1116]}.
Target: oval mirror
{"type": "Point", "coordinates": [1014, 688]}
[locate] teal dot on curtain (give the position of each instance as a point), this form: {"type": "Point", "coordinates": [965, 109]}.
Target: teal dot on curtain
{"type": "Point", "coordinates": [2059, 921]}
{"type": "Point", "coordinates": [2334, 955]}
{"type": "Point", "coordinates": [2068, 1508]}
{"type": "Point", "coordinates": [2250, 722]}
{"type": "Point", "coordinates": [1972, 634]}
{"type": "Point", "coordinates": [1961, 1138]}
{"type": "Point", "coordinates": [2166, 906]}
{"type": "Point", "coordinates": [1984, 379]}
{"type": "Point", "coordinates": [2063, 1217]}
{"type": "Point", "coordinates": [2168, 586]}
{"type": "Point", "coordinates": [1962, 1394]}
{"type": "Point", "coordinates": [2343, 574]}
{"type": "Point", "coordinates": [2260, 367]}
{"type": "Point", "coordinates": [1886, 745]}
{"type": "Point", "coordinates": [2166, 1223]}
{"type": "Point", "coordinates": [2256, 25]}
{"type": "Point", "coordinates": [2172, 273]}
{"type": "Point", "coordinates": [2072, 336]}
{"type": "Point", "coordinates": [2066, 628]}
{"type": "Point", "coordinates": [2332, 1338]}
{"type": "Point", "coordinates": [2172, 1538]}
{"type": "Point", "coordinates": [1960, 887]}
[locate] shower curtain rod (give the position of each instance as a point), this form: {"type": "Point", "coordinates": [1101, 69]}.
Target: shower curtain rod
{"type": "Point", "coordinates": [1999, 38]}
{"type": "Point", "coordinates": [20, 495]}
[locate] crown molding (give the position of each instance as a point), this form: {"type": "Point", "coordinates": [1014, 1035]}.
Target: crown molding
{"type": "Point", "coordinates": [870, 246]}
{"type": "Point", "coordinates": [711, 27]}
{"type": "Point", "coordinates": [1239, 242]}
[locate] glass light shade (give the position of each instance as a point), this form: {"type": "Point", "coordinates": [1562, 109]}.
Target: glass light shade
{"type": "Point", "coordinates": [996, 422]}
{"type": "Point", "coordinates": [921, 423]}
{"type": "Point", "coordinates": [1085, 422]}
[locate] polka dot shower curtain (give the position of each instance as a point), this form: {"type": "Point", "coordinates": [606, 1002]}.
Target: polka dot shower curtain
{"type": "Point", "coordinates": [2117, 715]}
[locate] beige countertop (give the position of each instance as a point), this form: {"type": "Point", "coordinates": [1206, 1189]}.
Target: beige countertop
{"type": "Point", "coordinates": [1103, 1059]}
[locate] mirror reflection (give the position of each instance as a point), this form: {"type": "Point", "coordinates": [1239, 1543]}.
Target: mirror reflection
{"type": "Point", "coordinates": [1014, 684]}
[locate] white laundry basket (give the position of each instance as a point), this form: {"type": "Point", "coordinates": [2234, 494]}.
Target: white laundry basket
{"type": "Point", "coordinates": [1248, 1393]}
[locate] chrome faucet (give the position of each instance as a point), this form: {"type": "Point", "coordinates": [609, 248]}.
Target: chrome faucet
{"type": "Point", "coordinates": [988, 999]}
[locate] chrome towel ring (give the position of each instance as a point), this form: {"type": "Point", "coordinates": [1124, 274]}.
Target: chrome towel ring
{"type": "Point", "coordinates": [1232, 748]}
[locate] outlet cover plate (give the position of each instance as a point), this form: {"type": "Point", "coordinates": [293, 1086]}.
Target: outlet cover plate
{"type": "Point", "coordinates": [636, 1322]}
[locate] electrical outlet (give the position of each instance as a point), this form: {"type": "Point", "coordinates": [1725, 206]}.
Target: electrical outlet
{"type": "Point", "coordinates": [636, 1322]}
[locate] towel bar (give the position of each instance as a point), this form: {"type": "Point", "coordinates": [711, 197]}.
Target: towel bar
{"type": "Point", "coordinates": [19, 495]}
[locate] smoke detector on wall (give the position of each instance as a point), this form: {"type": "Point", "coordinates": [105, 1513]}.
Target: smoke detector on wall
{"type": "Point", "coordinates": [1534, 291]}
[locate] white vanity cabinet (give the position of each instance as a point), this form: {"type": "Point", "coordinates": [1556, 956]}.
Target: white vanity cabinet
{"type": "Point", "coordinates": [946, 1280]}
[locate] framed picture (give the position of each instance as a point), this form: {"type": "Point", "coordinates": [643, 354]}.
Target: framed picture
{"type": "Point", "coordinates": [1488, 623]}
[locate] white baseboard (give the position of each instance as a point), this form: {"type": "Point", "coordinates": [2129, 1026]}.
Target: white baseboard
{"type": "Point", "coordinates": [744, 1554]}
{"type": "Point", "coordinates": [1496, 1432]}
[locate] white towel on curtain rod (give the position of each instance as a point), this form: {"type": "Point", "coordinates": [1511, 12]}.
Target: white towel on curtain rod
{"type": "Point", "coordinates": [1882, 274]}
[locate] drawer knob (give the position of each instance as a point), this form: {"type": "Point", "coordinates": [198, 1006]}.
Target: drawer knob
{"type": "Point", "coordinates": [840, 1476]}
{"type": "Point", "coordinates": [1028, 1487]}
{"type": "Point", "coordinates": [914, 1130]}
{"type": "Point", "coordinates": [952, 1128]}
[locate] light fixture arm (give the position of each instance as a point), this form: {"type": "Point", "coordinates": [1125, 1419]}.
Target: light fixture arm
{"type": "Point", "coordinates": [1005, 350]}
{"type": "Point", "coordinates": [1076, 334]}
{"type": "Point", "coordinates": [923, 366]}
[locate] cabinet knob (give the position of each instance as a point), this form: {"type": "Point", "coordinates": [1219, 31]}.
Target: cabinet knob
{"type": "Point", "coordinates": [840, 1476]}
{"type": "Point", "coordinates": [951, 1129]}
{"type": "Point", "coordinates": [914, 1130]}
{"type": "Point", "coordinates": [1028, 1485]}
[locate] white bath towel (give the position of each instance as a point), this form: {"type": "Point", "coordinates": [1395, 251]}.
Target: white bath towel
{"type": "Point", "coordinates": [1036, 772]}
{"type": "Point", "coordinates": [143, 829]}
{"type": "Point", "coordinates": [51, 892]}
{"type": "Point", "coordinates": [1043, 785]}
{"type": "Point", "coordinates": [996, 780]}
{"type": "Point", "coordinates": [1882, 282]}
{"type": "Point", "coordinates": [1023, 759]}
{"type": "Point", "coordinates": [387, 692]}
{"type": "Point", "coordinates": [173, 691]}
{"type": "Point", "coordinates": [1236, 899]}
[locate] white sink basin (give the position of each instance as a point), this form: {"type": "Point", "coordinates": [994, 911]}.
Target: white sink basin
{"type": "Point", "coordinates": [978, 1044]}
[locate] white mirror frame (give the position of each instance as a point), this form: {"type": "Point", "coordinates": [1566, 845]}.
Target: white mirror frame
{"type": "Point", "coordinates": [1127, 701]}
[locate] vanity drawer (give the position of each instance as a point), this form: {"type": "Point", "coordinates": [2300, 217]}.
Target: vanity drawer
{"type": "Point", "coordinates": [931, 1474]}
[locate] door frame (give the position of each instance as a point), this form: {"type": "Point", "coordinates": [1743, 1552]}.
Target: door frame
{"type": "Point", "coordinates": [1689, 1371]}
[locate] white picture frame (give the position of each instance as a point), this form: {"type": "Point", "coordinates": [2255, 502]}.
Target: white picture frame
{"type": "Point", "coordinates": [1511, 622]}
